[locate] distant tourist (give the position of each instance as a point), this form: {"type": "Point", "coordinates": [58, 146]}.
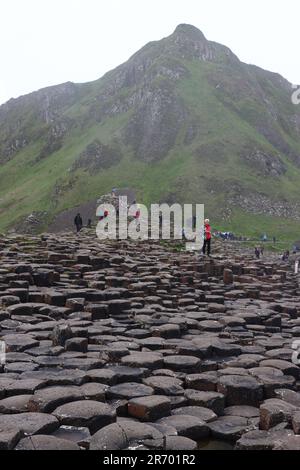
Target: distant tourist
{"type": "Point", "coordinates": [257, 252]}
{"type": "Point", "coordinates": [78, 222]}
{"type": "Point", "coordinates": [207, 238]}
{"type": "Point", "coordinates": [137, 211]}
{"type": "Point", "coordinates": [89, 224]}
{"type": "Point", "coordinates": [285, 256]}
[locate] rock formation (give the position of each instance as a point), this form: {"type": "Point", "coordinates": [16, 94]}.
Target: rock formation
{"type": "Point", "coordinates": [120, 345]}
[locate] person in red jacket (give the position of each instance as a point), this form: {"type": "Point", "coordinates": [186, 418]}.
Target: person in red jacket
{"type": "Point", "coordinates": [207, 237]}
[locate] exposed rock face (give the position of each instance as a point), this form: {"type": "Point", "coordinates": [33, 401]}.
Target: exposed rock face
{"type": "Point", "coordinates": [47, 106]}
{"type": "Point", "coordinates": [155, 125]}
{"type": "Point", "coordinates": [258, 203]}
{"type": "Point", "coordinates": [189, 42]}
{"type": "Point", "coordinates": [117, 344]}
{"type": "Point", "coordinates": [266, 164]}
{"type": "Point", "coordinates": [97, 156]}
{"type": "Point", "coordinates": [11, 147]}
{"type": "Point", "coordinates": [32, 222]}
{"type": "Point", "coordinates": [55, 137]}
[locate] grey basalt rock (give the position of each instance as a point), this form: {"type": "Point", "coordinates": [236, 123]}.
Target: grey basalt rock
{"type": "Point", "coordinates": [212, 400]}
{"type": "Point", "coordinates": [79, 435]}
{"type": "Point", "coordinates": [262, 440]}
{"type": "Point", "coordinates": [29, 423]}
{"type": "Point", "coordinates": [42, 442]}
{"type": "Point", "coordinates": [9, 438]}
{"type": "Point", "coordinates": [60, 334]}
{"type": "Point", "coordinates": [187, 426]}
{"type": "Point", "coordinates": [240, 390]}
{"type": "Point", "coordinates": [174, 443]}
{"type": "Point", "coordinates": [229, 428]}
{"type": "Point", "coordinates": [204, 414]}
{"type": "Point", "coordinates": [165, 385]}
{"type": "Point", "coordinates": [149, 408]}
{"type": "Point", "coordinates": [143, 359]}
{"type": "Point", "coordinates": [275, 411]}
{"type": "Point", "coordinates": [15, 404]}
{"type": "Point", "coordinates": [129, 390]}
{"type": "Point", "coordinates": [86, 413]}
{"type": "Point", "coordinates": [48, 399]}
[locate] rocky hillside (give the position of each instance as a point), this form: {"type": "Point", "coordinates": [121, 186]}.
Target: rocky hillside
{"type": "Point", "coordinates": [182, 120]}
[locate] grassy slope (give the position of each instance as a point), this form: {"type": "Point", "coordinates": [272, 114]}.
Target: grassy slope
{"type": "Point", "coordinates": [26, 186]}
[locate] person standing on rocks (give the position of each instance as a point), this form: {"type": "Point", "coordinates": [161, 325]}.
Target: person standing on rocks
{"type": "Point", "coordinates": [207, 238]}
{"type": "Point", "coordinates": [78, 222]}
{"type": "Point", "coordinates": [285, 256]}
{"type": "Point", "coordinates": [137, 212]}
{"type": "Point", "coordinates": [257, 252]}
{"type": "Point", "coordinates": [262, 250]}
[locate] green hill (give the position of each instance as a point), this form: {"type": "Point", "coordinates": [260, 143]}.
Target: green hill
{"type": "Point", "coordinates": [182, 120]}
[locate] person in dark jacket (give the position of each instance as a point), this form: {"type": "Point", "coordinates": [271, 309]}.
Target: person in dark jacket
{"type": "Point", "coordinates": [262, 250]}
{"type": "Point", "coordinates": [78, 222]}
{"type": "Point", "coordinates": [285, 256]}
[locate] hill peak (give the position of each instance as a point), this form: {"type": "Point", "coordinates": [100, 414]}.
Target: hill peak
{"type": "Point", "coordinates": [190, 31]}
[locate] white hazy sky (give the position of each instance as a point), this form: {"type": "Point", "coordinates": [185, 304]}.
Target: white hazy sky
{"type": "Point", "coordinates": [46, 42]}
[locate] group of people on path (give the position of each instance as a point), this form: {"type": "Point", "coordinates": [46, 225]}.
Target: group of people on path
{"type": "Point", "coordinates": [206, 248]}
{"type": "Point", "coordinates": [260, 251]}
{"type": "Point", "coordinates": [103, 215]}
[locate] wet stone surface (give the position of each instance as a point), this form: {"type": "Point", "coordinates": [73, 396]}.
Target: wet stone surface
{"type": "Point", "coordinates": [119, 345]}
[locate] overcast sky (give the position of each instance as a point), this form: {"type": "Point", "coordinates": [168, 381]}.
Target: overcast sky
{"type": "Point", "coordinates": [46, 42]}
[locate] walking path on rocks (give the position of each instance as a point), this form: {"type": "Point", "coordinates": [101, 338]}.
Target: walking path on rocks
{"type": "Point", "coordinates": [132, 345]}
